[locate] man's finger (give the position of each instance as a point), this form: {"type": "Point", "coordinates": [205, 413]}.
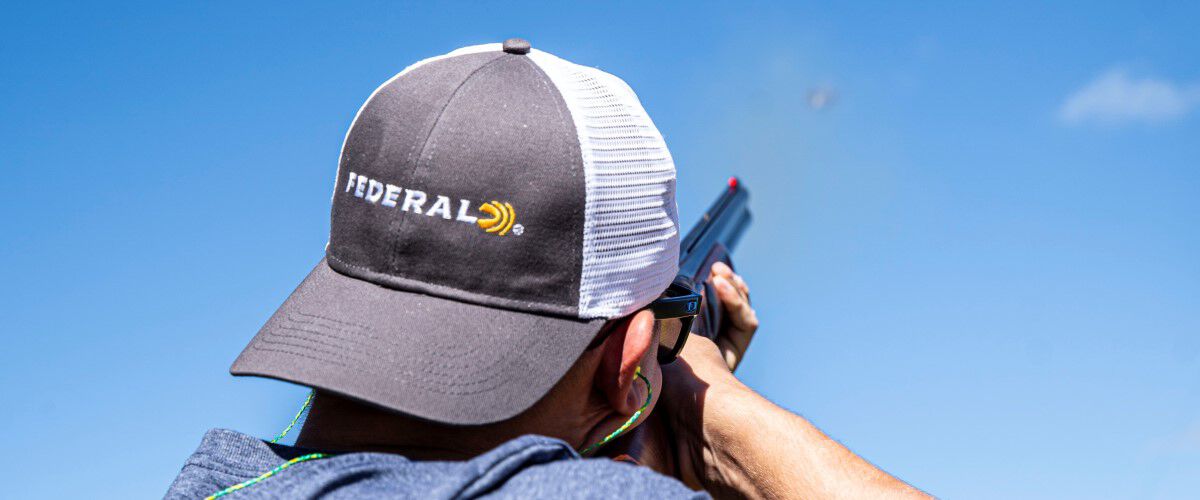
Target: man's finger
{"type": "Point", "coordinates": [736, 306]}
{"type": "Point", "coordinates": [741, 284]}
{"type": "Point", "coordinates": [721, 269]}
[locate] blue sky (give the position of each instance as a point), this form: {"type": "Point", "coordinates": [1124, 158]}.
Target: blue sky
{"type": "Point", "coordinates": [976, 267]}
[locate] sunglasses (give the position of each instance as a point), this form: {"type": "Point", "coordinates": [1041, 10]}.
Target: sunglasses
{"type": "Point", "coordinates": [674, 313]}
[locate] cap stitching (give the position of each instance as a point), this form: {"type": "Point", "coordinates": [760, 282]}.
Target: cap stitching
{"type": "Point", "coordinates": [421, 164]}
{"type": "Point", "coordinates": [427, 385]}
{"type": "Point", "coordinates": [368, 329]}
{"type": "Point", "coordinates": [365, 351]}
{"type": "Point", "coordinates": [558, 107]}
{"type": "Point", "coordinates": [441, 348]}
{"type": "Point", "coordinates": [259, 347]}
{"type": "Point", "coordinates": [367, 359]}
{"type": "Point", "coordinates": [421, 153]}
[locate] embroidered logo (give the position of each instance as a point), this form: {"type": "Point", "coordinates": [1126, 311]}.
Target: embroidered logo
{"type": "Point", "coordinates": [502, 219]}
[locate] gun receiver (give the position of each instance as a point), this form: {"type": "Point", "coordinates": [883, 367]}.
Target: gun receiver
{"type": "Point", "coordinates": [713, 239]}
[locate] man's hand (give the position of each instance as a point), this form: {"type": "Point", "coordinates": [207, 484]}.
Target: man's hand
{"type": "Point", "coordinates": [740, 322]}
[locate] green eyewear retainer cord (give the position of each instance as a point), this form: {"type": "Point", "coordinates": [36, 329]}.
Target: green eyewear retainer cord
{"type": "Point", "coordinates": [311, 456]}
{"type": "Point", "coordinates": [303, 409]}
{"type": "Point", "coordinates": [316, 456]}
{"type": "Point", "coordinates": [628, 423]}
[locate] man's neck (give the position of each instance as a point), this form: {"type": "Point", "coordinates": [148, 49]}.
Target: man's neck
{"type": "Point", "coordinates": [339, 424]}
{"type": "Point", "coordinates": [342, 425]}
{"type": "Point", "coordinates": [572, 411]}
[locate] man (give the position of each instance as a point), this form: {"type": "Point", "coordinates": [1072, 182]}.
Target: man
{"type": "Point", "coordinates": [503, 226]}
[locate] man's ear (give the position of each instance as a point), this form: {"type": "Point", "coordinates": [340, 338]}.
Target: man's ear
{"type": "Point", "coordinates": [623, 353]}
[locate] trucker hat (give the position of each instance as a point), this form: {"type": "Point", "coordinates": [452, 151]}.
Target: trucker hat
{"type": "Point", "coordinates": [493, 208]}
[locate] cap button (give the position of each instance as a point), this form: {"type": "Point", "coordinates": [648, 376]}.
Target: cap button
{"type": "Point", "coordinates": [516, 46]}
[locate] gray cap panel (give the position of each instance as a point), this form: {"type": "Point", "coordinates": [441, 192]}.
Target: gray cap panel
{"type": "Point", "coordinates": [501, 133]}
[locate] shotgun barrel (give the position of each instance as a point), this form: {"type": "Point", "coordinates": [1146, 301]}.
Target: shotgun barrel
{"type": "Point", "coordinates": [713, 239]}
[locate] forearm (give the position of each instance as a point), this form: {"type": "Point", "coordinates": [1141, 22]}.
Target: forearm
{"type": "Point", "coordinates": [732, 442]}
{"type": "Point", "coordinates": [753, 448]}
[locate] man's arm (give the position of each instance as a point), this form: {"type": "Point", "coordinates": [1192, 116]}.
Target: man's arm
{"type": "Point", "coordinates": [731, 441]}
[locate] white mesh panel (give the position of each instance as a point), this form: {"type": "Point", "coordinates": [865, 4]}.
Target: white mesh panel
{"type": "Point", "coordinates": [631, 228]}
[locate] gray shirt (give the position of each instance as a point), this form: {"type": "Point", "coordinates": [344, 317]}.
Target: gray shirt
{"type": "Point", "coordinates": [526, 467]}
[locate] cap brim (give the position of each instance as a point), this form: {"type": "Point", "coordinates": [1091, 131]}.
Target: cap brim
{"type": "Point", "coordinates": [430, 357]}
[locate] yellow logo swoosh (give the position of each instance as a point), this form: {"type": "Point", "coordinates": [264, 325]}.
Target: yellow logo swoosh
{"type": "Point", "coordinates": [502, 217]}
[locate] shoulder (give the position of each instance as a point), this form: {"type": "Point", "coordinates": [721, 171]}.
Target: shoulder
{"type": "Point", "coordinates": [527, 467]}
{"type": "Point", "coordinates": [595, 478]}
{"type": "Point", "coordinates": [542, 467]}
{"type": "Point", "coordinates": [224, 457]}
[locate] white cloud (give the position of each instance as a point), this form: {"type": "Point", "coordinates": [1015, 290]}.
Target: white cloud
{"type": "Point", "coordinates": [1114, 98]}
